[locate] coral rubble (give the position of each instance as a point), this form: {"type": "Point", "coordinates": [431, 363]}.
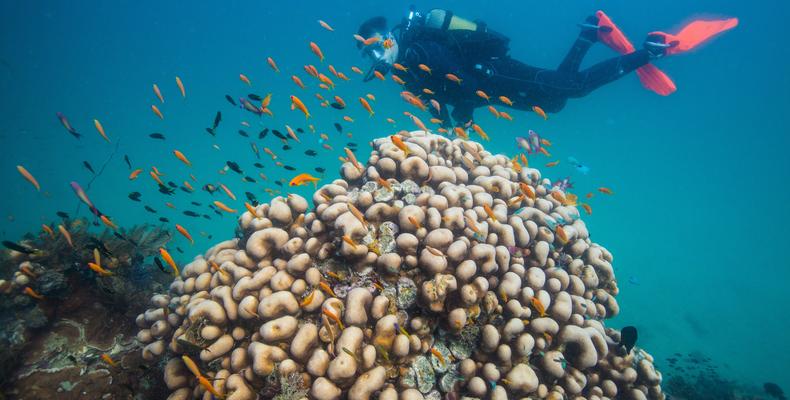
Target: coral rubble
{"type": "Point", "coordinates": [436, 270]}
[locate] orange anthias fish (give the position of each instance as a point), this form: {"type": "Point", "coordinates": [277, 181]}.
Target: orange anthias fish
{"type": "Point", "coordinates": [169, 260]}
{"type": "Point", "coordinates": [384, 183]}
{"type": "Point", "coordinates": [32, 293]}
{"type": "Point", "coordinates": [297, 81]}
{"type": "Point", "coordinates": [490, 212]}
{"type": "Point", "coordinates": [184, 232]}
{"type": "Point", "coordinates": [553, 163]}
{"type": "Point", "coordinates": [398, 142]}
{"type": "Point", "coordinates": [134, 174]}
{"type": "Point", "coordinates": [505, 116]}
{"type": "Point", "coordinates": [98, 269]}
{"type": "Point", "coordinates": [417, 224]}
{"type": "Point", "coordinates": [66, 235]}
{"type": "Point", "coordinates": [333, 317]}
{"type": "Point", "coordinates": [156, 111]}
{"type": "Point", "coordinates": [425, 68]}
{"type": "Point", "coordinates": [245, 79]}
{"type": "Point", "coordinates": [179, 155]}
{"type": "Point", "coordinates": [438, 355]}
{"type": "Point", "coordinates": [307, 300]}
{"type": "Point", "coordinates": [378, 75]}
{"type": "Point", "coordinates": [48, 230]}
{"type": "Point", "coordinates": [483, 95]}
{"type": "Point", "coordinates": [494, 111]}
{"type": "Point", "coordinates": [158, 93]}
{"type": "Point", "coordinates": [453, 78]}
{"type": "Point", "coordinates": [223, 207]}
{"type": "Point", "coordinates": [605, 190]}
{"type": "Point", "coordinates": [181, 87]}
{"type": "Point", "coordinates": [350, 241]}
{"type": "Point", "coordinates": [227, 191]}
{"type": "Point", "coordinates": [325, 25]}
{"type": "Point", "coordinates": [106, 358]}
{"type": "Point", "coordinates": [399, 67]}
{"type": "Point", "coordinates": [538, 305]}
{"type": "Point", "coordinates": [540, 112]}
{"type": "Point", "coordinates": [304, 179]}
{"type": "Point", "coordinates": [106, 221]}
{"type": "Point", "coordinates": [297, 103]}
{"type": "Point", "coordinates": [366, 105]}
{"type": "Point", "coordinates": [317, 51]}
{"type": "Point", "coordinates": [100, 129]}
{"type": "Point", "coordinates": [527, 190]}
{"type": "Point", "coordinates": [272, 64]}
{"type": "Point", "coordinates": [506, 100]}
{"type": "Point", "coordinates": [587, 208]}
{"type": "Point", "coordinates": [357, 70]}
{"type": "Point", "coordinates": [480, 131]}
{"type": "Point", "coordinates": [561, 234]}
{"type": "Point", "coordinates": [28, 176]}
{"type": "Point", "coordinates": [398, 80]}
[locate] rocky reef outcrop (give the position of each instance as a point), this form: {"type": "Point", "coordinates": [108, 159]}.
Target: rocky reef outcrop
{"type": "Point", "coordinates": [435, 270]}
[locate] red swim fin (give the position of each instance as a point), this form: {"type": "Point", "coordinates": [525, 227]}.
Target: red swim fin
{"type": "Point", "coordinates": [651, 77]}
{"type": "Point", "coordinates": [695, 33]}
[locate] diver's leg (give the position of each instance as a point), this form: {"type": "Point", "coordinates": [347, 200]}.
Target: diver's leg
{"type": "Point", "coordinates": [522, 84]}
{"type": "Point", "coordinates": [587, 36]}
{"type": "Point", "coordinates": [607, 71]}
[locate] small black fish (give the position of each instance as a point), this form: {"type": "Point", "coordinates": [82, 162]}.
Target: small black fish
{"type": "Point", "coordinates": [184, 189]}
{"type": "Point", "coordinates": [135, 196]}
{"type": "Point", "coordinates": [337, 106]}
{"type": "Point", "coordinates": [278, 183]}
{"type": "Point", "coordinates": [339, 127]}
{"type": "Point", "coordinates": [18, 247]}
{"type": "Point", "coordinates": [243, 133]}
{"type": "Point", "coordinates": [210, 236]}
{"type": "Point", "coordinates": [126, 158]}
{"type": "Point", "coordinates": [289, 168]}
{"type": "Point", "coordinates": [351, 144]}
{"type": "Point", "coordinates": [122, 237]}
{"type": "Point", "coordinates": [172, 184]}
{"type": "Point", "coordinates": [251, 197]}
{"type": "Point", "coordinates": [311, 153]}
{"type": "Point", "coordinates": [157, 135]}
{"type": "Point", "coordinates": [258, 165]}
{"type": "Point", "coordinates": [179, 250]}
{"type": "Point", "coordinates": [279, 134]}
{"type": "Point", "coordinates": [248, 179]}
{"type": "Point", "coordinates": [189, 213]}
{"type": "Point", "coordinates": [235, 167]}
{"type": "Point", "coordinates": [210, 188]}
{"type": "Point", "coordinates": [320, 169]}
{"type": "Point", "coordinates": [195, 203]}
{"type": "Point", "coordinates": [206, 216]}
{"type": "Point", "coordinates": [98, 244]}
{"type": "Point", "coordinates": [62, 214]}
{"type": "Point", "coordinates": [628, 336]}
{"type": "Point", "coordinates": [89, 167]}
{"type": "Point", "coordinates": [159, 264]}
{"type": "Point", "coordinates": [262, 134]}
{"type": "Point", "coordinates": [211, 131]}
{"type": "Point", "coordinates": [149, 209]}
{"type": "Point", "coordinates": [254, 97]}
{"type": "Point", "coordinates": [163, 219]}
{"type": "Point", "coordinates": [166, 190]}
{"type": "Point", "coordinates": [286, 147]}
{"type": "Point", "coordinates": [217, 119]}
{"type": "Point", "coordinates": [230, 100]}
{"type": "Point", "coordinates": [300, 130]}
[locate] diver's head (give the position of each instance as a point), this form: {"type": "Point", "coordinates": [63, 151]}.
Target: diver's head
{"type": "Point", "coordinates": [383, 52]}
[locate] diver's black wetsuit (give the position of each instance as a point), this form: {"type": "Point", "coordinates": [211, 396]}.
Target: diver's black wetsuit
{"type": "Point", "coordinates": [480, 59]}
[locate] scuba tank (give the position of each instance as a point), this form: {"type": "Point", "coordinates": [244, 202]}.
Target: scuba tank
{"type": "Point", "coordinates": [472, 39]}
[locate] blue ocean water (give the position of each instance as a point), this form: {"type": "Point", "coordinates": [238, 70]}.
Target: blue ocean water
{"type": "Point", "coordinates": [699, 215]}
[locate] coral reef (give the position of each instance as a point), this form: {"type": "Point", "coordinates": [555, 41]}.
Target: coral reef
{"type": "Point", "coordinates": [435, 270]}
{"type": "Point", "coordinates": [57, 316]}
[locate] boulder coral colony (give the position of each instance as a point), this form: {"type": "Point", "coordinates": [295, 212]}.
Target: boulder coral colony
{"type": "Point", "coordinates": [435, 272]}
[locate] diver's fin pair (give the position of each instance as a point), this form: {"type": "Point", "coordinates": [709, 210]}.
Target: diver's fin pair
{"type": "Point", "coordinates": [692, 35]}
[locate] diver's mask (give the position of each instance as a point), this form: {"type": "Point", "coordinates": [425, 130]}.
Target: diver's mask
{"type": "Point", "coordinates": [382, 54]}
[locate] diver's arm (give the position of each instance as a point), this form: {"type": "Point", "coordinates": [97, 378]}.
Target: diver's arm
{"type": "Point", "coordinates": [463, 112]}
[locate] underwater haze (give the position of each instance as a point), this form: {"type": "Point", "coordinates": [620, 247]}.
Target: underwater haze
{"type": "Point", "coordinates": [697, 218]}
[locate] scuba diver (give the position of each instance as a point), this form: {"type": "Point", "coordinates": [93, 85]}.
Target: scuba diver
{"type": "Point", "coordinates": [424, 49]}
